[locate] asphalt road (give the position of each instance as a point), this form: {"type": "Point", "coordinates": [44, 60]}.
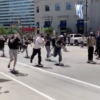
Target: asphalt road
{"type": "Point", "coordinates": [77, 80]}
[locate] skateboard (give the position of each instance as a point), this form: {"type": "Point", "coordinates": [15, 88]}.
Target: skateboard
{"type": "Point", "coordinates": [57, 64]}
{"type": "Point", "coordinates": [37, 65]}
{"type": "Point", "coordinates": [14, 72]}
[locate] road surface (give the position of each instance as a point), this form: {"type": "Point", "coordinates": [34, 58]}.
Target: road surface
{"type": "Point", "coordinates": [77, 80]}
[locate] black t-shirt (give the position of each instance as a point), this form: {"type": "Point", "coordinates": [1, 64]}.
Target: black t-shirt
{"type": "Point", "coordinates": [59, 42]}
{"type": "Point", "coordinates": [26, 42]}
{"type": "Point", "coordinates": [15, 44]}
{"type": "Point", "coordinates": [53, 41]}
{"type": "Point", "coordinates": [48, 39]}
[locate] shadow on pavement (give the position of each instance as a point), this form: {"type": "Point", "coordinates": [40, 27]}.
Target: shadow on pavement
{"type": "Point", "coordinates": [4, 80]}
{"type": "Point", "coordinates": [27, 57]}
{"type": "Point", "coordinates": [42, 67]}
{"type": "Point", "coordinates": [46, 67]}
{"type": "Point", "coordinates": [3, 91]}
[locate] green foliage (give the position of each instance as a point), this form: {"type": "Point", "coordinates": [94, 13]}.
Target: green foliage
{"type": "Point", "coordinates": [17, 28]}
{"type": "Point", "coordinates": [10, 31]}
{"type": "Point", "coordinates": [3, 30]}
{"type": "Point", "coordinates": [48, 30]}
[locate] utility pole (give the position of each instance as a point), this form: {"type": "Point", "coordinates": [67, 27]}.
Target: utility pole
{"type": "Point", "coordinates": [86, 19]}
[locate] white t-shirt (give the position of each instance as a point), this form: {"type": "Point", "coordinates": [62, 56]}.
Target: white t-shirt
{"type": "Point", "coordinates": [37, 41]}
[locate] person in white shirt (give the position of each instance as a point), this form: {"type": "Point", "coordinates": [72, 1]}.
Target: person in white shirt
{"type": "Point", "coordinates": [37, 48]}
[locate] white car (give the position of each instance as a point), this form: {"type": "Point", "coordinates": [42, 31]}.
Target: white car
{"type": "Point", "coordinates": [76, 39]}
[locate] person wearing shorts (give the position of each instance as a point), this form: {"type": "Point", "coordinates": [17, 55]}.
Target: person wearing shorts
{"type": "Point", "coordinates": [13, 44]}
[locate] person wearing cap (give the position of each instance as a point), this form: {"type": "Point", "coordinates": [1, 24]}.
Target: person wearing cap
{"type": "Point", "coordinates": [57, 50]}
{"type": "Point", "coordinates": [90, 44]}
{"type": "Point", "coordinates": [13, 44]}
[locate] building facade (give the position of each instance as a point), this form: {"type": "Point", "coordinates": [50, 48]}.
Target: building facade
{"type": "Point", "coordinates": [61, 14]}
{"type": "Point", "coordinates": [14, 11]}
{"type": "Point", "coordinates": [95, 15]}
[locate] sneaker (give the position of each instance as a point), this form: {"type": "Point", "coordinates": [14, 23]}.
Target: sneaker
{"type": "Point", "coordinates": [40, 65]}
{"type": "Point", "coordinates": [61, 64]}
{"type": "Point", "coordinates": [98, 58]}
{"type": "Point", "coordinates": [9, 66]}
{"type": "Point", "coordinates": [14, 72]}
{"type": "Point", "coordinates": [88, 61]}
{"type": "Point", "coordinates": [3, 55]}
{"type": "Point", "coordinates": [27, 57]}
{"type": "Point", "coordinates": [47, 59]}
{"type": "Point", "coordinates": [92, 62]}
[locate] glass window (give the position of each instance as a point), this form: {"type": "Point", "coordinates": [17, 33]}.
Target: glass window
{"type": "Point", "coordinates": [38, 24]}
{"type": "Point", "coordinates": [77, 36]}
{"type": "Point", "coordinates": [68, 6]}
{"type": "Point", "coordinates": [57, 7]}
{"type": "Point", "coordinates": [47, 24]}
{"type": "Point", "coordinates": [37, 9]}
{"type": "Point", "coordinates": [47, 8]}
{"type": "Point", "coordinates": [80, 2]}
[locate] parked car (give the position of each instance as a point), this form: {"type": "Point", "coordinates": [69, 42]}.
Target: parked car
{"type": "Point", "coordinates": [76, 39]}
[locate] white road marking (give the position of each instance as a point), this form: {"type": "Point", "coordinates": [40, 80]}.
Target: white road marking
{"type": "Point", "coordinates": [66, 77]}
{"type": "Point", "coordinates": [27, 86]}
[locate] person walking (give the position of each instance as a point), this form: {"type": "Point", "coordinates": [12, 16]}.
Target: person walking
{"type": "Point", "coordinates": [37, 48]}
{"type": "Point", "coordinates": [25, 46]}
{"type": "Point", "coordinates": [65, 38]}
{"type": "Point", "coordinates": [98, 45]}
{"type": "Point", "coordinates": [68, 39]}
{"type": "Point", "coordinates": [59, 44]}
{"type": "Point", "coordinates": [90, 44]}
{"type": "Point", "coordinates": [13, 44]}
{"type": "Point", "coordinates": [47, 45]}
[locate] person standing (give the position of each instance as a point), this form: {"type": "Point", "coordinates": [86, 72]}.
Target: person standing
{"type": "Point", "coordinates": [47, 45]}
{"type": "Point", "coordinates": [25, 47]}
{"type": "Point", "coordinates": [2, 45]}
{"type": "Point", "coordinates": [37, 48]}
{"type": "Point", "coordinates": [13, 44]}
{"type": "Point", "coordinates": [98, 45]}
{"type": "Point", "coordinates": [90, 44]}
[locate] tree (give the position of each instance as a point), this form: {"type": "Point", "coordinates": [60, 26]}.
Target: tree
{"type": "Point", "coordinates": [48, 30]}
{"type": "Point", "coordinates": [11, 31]}
{"type": "Point", "coordinates": [3, 30]}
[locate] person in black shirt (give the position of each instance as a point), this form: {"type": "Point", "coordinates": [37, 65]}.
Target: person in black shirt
{"type": "Point", "coordinates": [2, 44]}
{"type": "Point", "coordinates": [58, 46]}
{"type": "Point", "coordinates": [47, 45]}
{"type": "Point", "coordinates": [25, 46]}
{"type": "Point", "coordinates": [13, 44]}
